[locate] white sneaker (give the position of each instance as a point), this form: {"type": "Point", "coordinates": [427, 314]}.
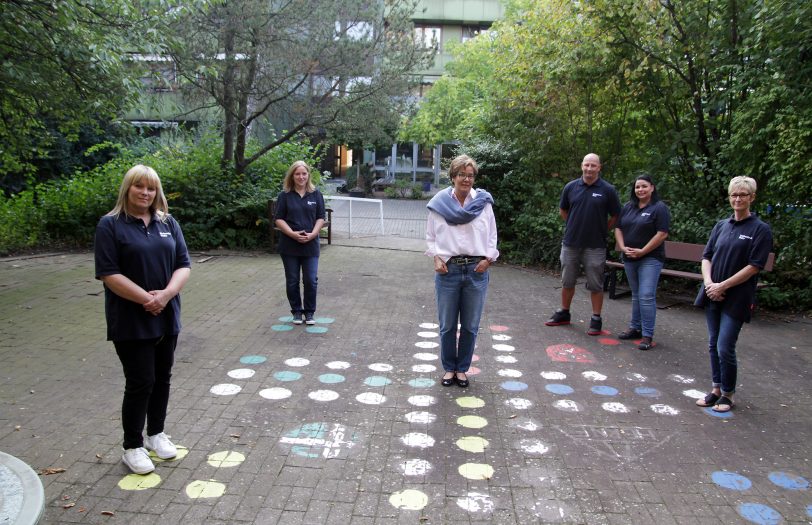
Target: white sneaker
{"type": "Point", "coordinates": [138, 460]}
{"type": "Point", "coordinates": [160, 444]}
{"type": "Point", "coordinates": [297, 319]}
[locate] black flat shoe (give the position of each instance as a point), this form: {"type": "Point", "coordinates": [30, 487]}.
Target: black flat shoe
{"type": "Point", "coordinates": [462, 383]}
{"type": "Point", "coordinates": [447, 381]}
{"type": "Point", "coordinates": [631, 333]}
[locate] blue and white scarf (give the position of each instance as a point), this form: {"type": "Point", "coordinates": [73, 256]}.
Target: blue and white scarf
{"type": "Point", "coordinates": [449, 208]}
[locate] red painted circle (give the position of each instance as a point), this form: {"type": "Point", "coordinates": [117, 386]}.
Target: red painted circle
{"type": "Point", "coordinates": [568, 353]}
{"type": "Point", "coordinates": [608, 341]}
{"type": "Point", "coordinates": [475, 358]}
{"type": "Point", "coordinates": [498, 328]}
{"type": "Point", "coordinates": [473, 371]}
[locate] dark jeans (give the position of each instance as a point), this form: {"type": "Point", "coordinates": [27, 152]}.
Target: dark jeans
{"type": "Point", "coordinates": [307, 268]}
{"type": "Point", "coordinates": [460, 297]}
{"type": "Point", "coordinates": [723, 332]}
{"type": "Point", "coordinates": [147, 370]}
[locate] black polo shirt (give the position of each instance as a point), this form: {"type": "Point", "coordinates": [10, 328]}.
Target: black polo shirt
{"type": "Point", "coordinates": [148, 256]}
{"type": "Point", "coordinates": [301, 213]}
{"type": "Point", "coordinates": [639, 225]}
{"type": "Point", "coordinates": [588, 210]}
{"type": "Point", "coordinates": [732, 246]}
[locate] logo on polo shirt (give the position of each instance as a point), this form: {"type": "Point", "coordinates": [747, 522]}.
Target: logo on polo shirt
{"type": "Point", "coordinates": [166, 234]}
{"type": "Point", "coordinates": [743, 237]}
{"type": "Point", "coordinates": [645, 214]}
{"type": "Point", "coordinates": [597, 194]}
{"type": "Point", "coordinates": [311, 203]}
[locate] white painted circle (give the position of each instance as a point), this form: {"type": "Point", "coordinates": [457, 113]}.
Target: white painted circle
{"type": "Point", "coordinates": [664, 410]}
{"type": "Point", "coordinates": [275, 393]}
{"type": "Point", "coordinates": [617, 408]}
{"type": "Point", "coordinates": [591, 375]}
{"type": "Point", "coordinates": [509, 372]}
{"type": "Point", "coordinates": [417, 439]}
{"type": "Point", "coordinates": [429, 326]}
{"type": "Point", "coordinates": [501, 337]}
{"type": "Point", "coordinates": [694, 394]}
{"type": "Point", "coordinates": [507, 359]}
{"type": "Point", "coordinates": [528, 425]}
{"type": "Point", "coordinates": [323, 395]}
{"type": "Point", "coordinates": [634, 376]}
{"type": "Point", "coordinates": [338, 365]}
{"type": "Point", "coordinates": [503, 348]}
{"type": "Point", "coordinates": [681, 379]}
{"type": "Point", "coordinates": [533, 446]}
{"type": "Point", "coordinates": [426, 344]}
{"type": "Point", "coordinates": [519, 403]}
{"type": "Point", "coordinates": [415, 467]}
{"type": "Point", "coordinates": [421, 418]}
{"type": "Point", "coordinates": [476, 502]}
{"type": "Point", "coordinates": [567, 405]}
{"type": "Point", "coordinates": [423, 369]}
{"type": "Point", "coordinates": [422, 400]}
{"type": "Point", "coordinates": [297, 361]}
{"type": "Point", "coordinates": [241, 373]}
{"type": "Point", "coordinates": [381, 367]}
{"type": "Point", "coordinates": [225, 389]}
{"type": "Point", "coordinates": [425, 356]}
{"type": "Point", "coordinates": [554, 376]}
{"type": "Point", "coordinates": [370, 398]}
{"type": "Point", "coordinates": [427, 335]}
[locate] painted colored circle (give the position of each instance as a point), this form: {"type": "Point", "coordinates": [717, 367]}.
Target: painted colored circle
{"type": "Point", "coordinates": [286, 318]}
{"type": "Point", "coordinates": [287, 375]}
{"type": "Point", "coordinates": [421, 400]}
{"type": "Point", "coordinates": [225, 459]}
{"type": "Point", "coordinates": [533, 446]}
{"type": "Point", "coordinates": [409, 499]}
{"type": "Point", "coordinates": [139, 481]}
{"type": "Point", "coordinates": [337, 365]}
{"type": "Point", "coordinates": [509, 372]}
{"type": "Point", "coordinates": [567, 405]}
{"type": "Point", "coordinates": [527, 424]}
{"type": "Point", "coordinates": [721, 415]}
{"type": "Point", "coordinates": [241, 373]}
{"type": "Point", "coordinates": [429, 326]}
{"type": "Point", "coordinates": [731, 480]}
{"type": "Point", "coordinates": [809, 510]}
{"type": "Point", "coordinates": [380, 367]}
{"type": "Point", "coordinates": [421, 382]}
{"type": "Point", "coordinates": [473, 371]}
{"type": "Point", "coordinates": [759, 513]}
{"type": "Point", "coordinates": [425, 356]}
{"type": "Point", "coordinates": [418, 440]}
{"type": "Point", "coordinates": [426, 344]}
{"type": "Point", "coordinates": [474, 358]}
{"type": "Point", "coordinates": [664, 410]}
{"type": "Point", "coordinates": [591, 375]}
{"type": "Point", "coordinates": [616, 408]}
{"type": "Point", "coordinates": [473, 443]}
{"type": "Point", "coordinates": [225, 389]}
{"type": "Point", "coordinates": [788, 481]}
{"type": "Point", "coordinates": [470, 402]}
{"type": "Point", "coordinates": [331, 379]}
{"type": "Point", "coordinates": [275, 393]}
{"type": "Point", "coordinates": [205, 489]}
{"type": "Point", "coordinates": [693, 393]}
{"type": "Point", "coordinates": [253, 359]}
{"type": "Point", "coordinates": [316, 329]}
{"type": "Point", "coordinates": [415, 467]}
{"type": "Point", "coordinates": [519, 403]}
{"type": "Point", "coordinates": [475, 471]}
{"type": "Point", "coordinates": [498, 328]}
{"type": "Point", "coordinates": [281, 328]}
{"type": "Point", "coordinates": [514, 386]}
{"type": "Point", "coordinates": [567, 353]}
{"type": "Point", "coordinates": [603, 390]}
{"type": "Point", "coordinates": [507, 359]}
{"type": "Point", "coordinates": [324, 320]}
{"type": "Point", "coordinates": [554, 376]}
{"type": "Point", "coordinates": [376, 381]}
{"type": "Point", "coordinates": [647, 391]}
{"type": "Point", "coordinates": [608, 341]}
{"type": "Point", "coordinates": [423, 369]}
{"type": "Point", "coordinates": [681, 379]}
{"type": "Point", "coordinates": [427, 335]}
{"type": "Point", "coordinates": [323, 395]}
{"type": "Point", "coordinates": [297, 361]}
{"type": "Point", "coordinates": [633, 376]}
{"type": "Point", "coordinates": [503, 348]}
{"type": "Point", "coordinates": [182, 453]}
{"type": "Point", "coordinates": [476, 502]}
{"type": "Point", "coordinates": [421, 418]}
{"type": "Point", "coordinates": [501, 337]}
{"type": "Point", "coordinates": [472, 421]}
{"type": "Point", "coordinates": [559, 389]}
{"type": "Point", "coordinates": [370, 398]}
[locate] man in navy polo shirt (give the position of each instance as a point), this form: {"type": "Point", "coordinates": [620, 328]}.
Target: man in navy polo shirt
{"type": "Point", "coordinates": [590, 206]}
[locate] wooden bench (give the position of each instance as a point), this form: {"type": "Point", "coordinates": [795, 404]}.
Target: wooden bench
{"type": "Point", "coordinates": [674, 251]}
{"type": "Point", "coordinates": [325, 233]}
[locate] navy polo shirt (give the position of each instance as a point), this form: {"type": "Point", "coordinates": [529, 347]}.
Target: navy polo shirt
{"type": "Point", "coordinates": [301, 213]}
{"type": "Point", "coordinates": [588, 210]}
{"type": "Point", "coordinates": [639, 225]}
{"type": "Point", "coordinates": [732, 246]}
{"type": "Point", "coordinates": [148, 256]}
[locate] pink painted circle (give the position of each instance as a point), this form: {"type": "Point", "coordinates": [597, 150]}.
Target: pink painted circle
{"type": "Point", "coordinates": [608, 341]}
{"type": "Point", "coordinates": [475, 358]}
{"type": "Point", "coordinates": [473, 371]}
{"type": "Point", "coordinates": [568, 353]}
{"type": "Point", "coordinates": [498, 328]}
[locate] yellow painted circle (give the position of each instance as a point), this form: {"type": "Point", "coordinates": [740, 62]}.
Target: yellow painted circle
{"type": "Point", "coordinates": [226, 458]}
{"type": "Point", "coordinates": [139, 481]}
{"type": "Point", "coordinates": [472, 421]}
{"type": "Point", "coordinates": [409, 499]}
{"type": "Point", "coordinates": [476, 471]}
{"type": "Point", "coordinates": [470, 402]}
{"type": "Point", "coordinates": [473, 443]}
{"type": "Point", "coordinates": [205, 489]}
{"type": "Point", "coordinates": [182, 452]}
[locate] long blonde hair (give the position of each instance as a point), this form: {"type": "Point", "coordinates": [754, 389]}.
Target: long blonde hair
{"type": "Point", "coordinates": [136, 174]}
{"type": "Point", "coordinates": [288, 184]}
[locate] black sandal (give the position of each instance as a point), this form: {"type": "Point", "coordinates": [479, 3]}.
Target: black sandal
{"type": "Point", "coordinates": [724, 404]}
{"type": "Point", "coordinates": [709, 401]}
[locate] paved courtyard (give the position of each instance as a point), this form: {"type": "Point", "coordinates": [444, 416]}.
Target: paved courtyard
{"type": "Point", "coordinates": [346, 422]}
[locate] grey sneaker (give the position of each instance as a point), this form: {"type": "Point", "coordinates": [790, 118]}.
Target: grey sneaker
{"type": "Point", "coordinates": [297, 319]}
{"type": "Point", "coordinates": [560, 317]}
{"type": "Point", "coordinates": [595, 325]}
{"type": "Point", "coordinates": [309, 319]}
{"type": "Point", "coordinates": [138, 460]}
{"type": "Point", "coordinates": [160, 444]}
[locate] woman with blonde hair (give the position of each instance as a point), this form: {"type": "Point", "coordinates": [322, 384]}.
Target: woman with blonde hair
{"type": "Point", "coordinates": [142, 259]}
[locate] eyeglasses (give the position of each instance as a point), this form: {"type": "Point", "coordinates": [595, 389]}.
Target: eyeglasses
{"type": "Point", "coordinates": [734, 196]}
{"type": "Point", "coordinates": [466, 177]}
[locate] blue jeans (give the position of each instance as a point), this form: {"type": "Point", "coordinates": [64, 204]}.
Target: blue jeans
{"type": "Point", "coordinates": [643, 276]}
{"type": "Point", "coordinates": [460, 298]}
{"type": "Point", "coordinates": [308, 268]}
{"type": "Point", "coordinates": [723, 332]}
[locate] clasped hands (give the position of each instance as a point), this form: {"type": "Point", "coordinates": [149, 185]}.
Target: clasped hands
{"type": "Point", "coordinates": [158, 302]}
{"type": "Point", "coordinates": [303, 236]}
{"type": "Point", "coordinates": [715, 291]}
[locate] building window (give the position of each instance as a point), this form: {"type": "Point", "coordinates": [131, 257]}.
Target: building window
{"type": "Point", "coordinates": [429, 36]}
{"type": "Point", "coordinates": [469, 32]}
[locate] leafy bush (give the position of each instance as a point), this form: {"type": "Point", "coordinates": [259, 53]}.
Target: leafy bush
{"type": "Point", "coordinates": [404, 189]}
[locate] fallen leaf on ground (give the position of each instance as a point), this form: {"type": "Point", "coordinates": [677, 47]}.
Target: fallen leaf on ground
{"type": "Point", "coordinates": [68, 505]}
{"type": "Point", "coordinates": [51, 470]}
{"type": "Point", "coordinates": [108, 513]}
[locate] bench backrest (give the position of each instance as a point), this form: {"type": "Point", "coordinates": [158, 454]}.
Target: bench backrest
{"type": "Point", "coordinates": [686, 251]}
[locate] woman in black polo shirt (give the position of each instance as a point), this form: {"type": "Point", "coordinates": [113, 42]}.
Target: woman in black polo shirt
{"type": "Point", "coordinates": [300, 216]}
{"type": "Point", "coordinates": [640, 232]}
{"type": "Point", "coordinates": [141, 258]}
{"type": "Point", "coordinates": [737, 250]}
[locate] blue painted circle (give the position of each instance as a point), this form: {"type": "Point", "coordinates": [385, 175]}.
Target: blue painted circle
{"type": "Point", "coordinates": [281, 327]}
{"type": "Point", "coordinates": [514, 386]}
{"type": "Point", "coordinates": [788, 481]}
{"type": "Point", "coordinates": [647, 391]}
{"type": "Point", "coordinates": [252, 359]}
{"type": "Point", "coordinates": [421, 382]}
{"type": "Point", "coordinates": [559, 389]}
{"type": "Point", "coordinates": [287, 375]}
{"type": "Point", "coordinates": [758, 513]}
{"type": "Point", "coordinates": [316, 329]}
{"type": "Point", "coordinates": [603, 390]}
{"type": "Point", "coordinates": [324, 320]}
{"type": "Point", "coordinates": [377, 381]}
{"type": "Point", "coordinates": [722, 415]}
{"type": "Point", "coordinates": [809, 510]}
{"type": "Point", "coordinates": [731, 480]}
{"type": "Point", "coordinates": [286, 318]}
{"type": "Point", "coordinates": [331, 378]}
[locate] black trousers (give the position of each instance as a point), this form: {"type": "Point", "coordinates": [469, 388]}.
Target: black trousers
{"type": "Point", "coordinates": [147, 370]}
